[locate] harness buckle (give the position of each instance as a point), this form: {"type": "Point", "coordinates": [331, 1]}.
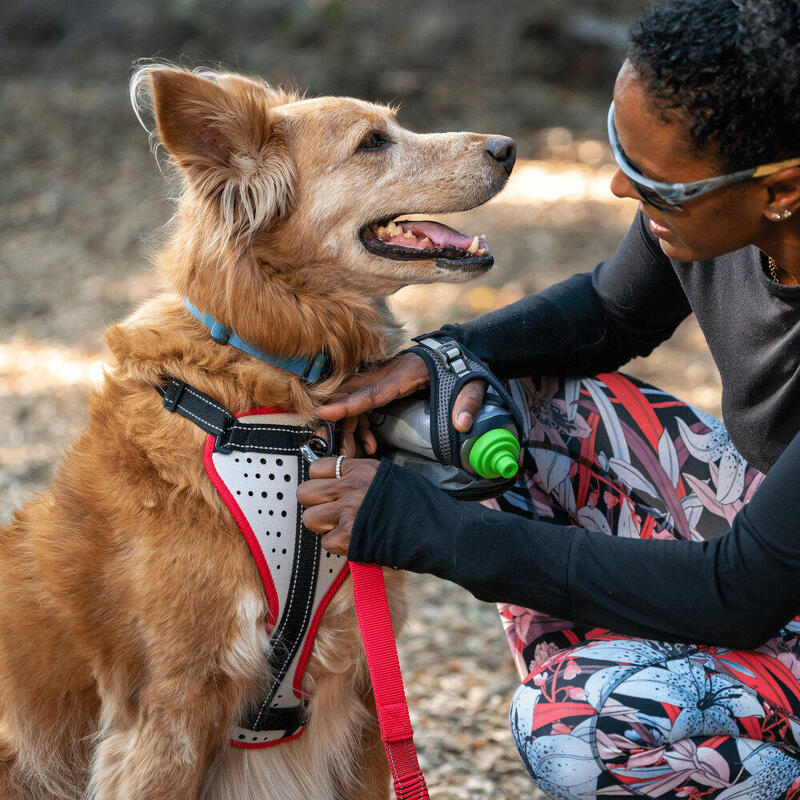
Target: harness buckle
{"type": "Point", "coordinates": [173, 394]}
{"type": "Point", "coordinates": [454, 358]}
{"type": "Point", "coordinates": [315, 370]}
{"type": "Point", "coordinates": [222, 443]}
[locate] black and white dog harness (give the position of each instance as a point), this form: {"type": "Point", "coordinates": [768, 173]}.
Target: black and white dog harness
{"type": "Point", "coordinates": [254, 461]}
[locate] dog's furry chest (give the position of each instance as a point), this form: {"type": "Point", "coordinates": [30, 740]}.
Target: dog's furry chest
{"type": "Point", "coordinates": [299, 578]}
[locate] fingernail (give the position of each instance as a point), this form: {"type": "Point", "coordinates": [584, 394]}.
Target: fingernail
{"type": "Point", "coordinates": [464, 419]}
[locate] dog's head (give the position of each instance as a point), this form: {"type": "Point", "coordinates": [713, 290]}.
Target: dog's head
{"type": "Point", "coordinates": [287, 229]}
{"type": "Point", "coordinates": [319, 184]}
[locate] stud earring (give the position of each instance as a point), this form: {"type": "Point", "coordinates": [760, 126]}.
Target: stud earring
{"type": "Point", "coordinates": [779, 215]}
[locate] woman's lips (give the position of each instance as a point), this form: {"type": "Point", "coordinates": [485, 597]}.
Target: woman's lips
{"type": "Point", "coordinates": [659, 230]}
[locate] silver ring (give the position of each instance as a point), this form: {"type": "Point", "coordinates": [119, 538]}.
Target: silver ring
{"type": "Point", "coordinates": [339, 466]}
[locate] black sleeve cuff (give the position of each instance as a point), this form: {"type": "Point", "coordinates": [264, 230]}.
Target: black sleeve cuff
{"type": "Point", "coordinates": [406, 523]}
{"type": "Point", "coordinates": [366, 535]}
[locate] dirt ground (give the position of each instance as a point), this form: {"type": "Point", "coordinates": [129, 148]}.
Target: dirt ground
{"type": "Point", "coordinates": [82, 202]}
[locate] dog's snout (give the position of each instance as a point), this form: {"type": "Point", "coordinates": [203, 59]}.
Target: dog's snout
{"type": "Point", "coordinates": [503, 150]}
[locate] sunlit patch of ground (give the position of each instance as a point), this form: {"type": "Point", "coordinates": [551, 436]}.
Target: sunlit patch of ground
{"type": "Point", "coordinates": [44, 389]}
{"type": "Point", "coordinates": [31, 368]}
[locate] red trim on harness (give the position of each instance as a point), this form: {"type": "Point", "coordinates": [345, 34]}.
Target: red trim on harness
{"type": "Point", "coordinates": [247, 532]}
{"type": "Point", "coordinates": [312, 629]}
{"type": "Point", "coordinates": [241, 520]}
{"type": "Point", "coordinates": [261, 745]}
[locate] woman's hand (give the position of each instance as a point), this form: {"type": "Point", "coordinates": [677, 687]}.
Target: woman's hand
{"type": "Point", "coordinates": [400, 377]}
{"type": "Point", "coordinates": [332, 503]}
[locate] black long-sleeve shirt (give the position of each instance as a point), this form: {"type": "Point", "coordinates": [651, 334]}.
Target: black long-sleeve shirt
{"type": "Point", "coordinates": [736, 590]}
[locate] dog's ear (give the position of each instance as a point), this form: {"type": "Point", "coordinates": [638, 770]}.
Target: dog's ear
{"type": "Point", "coordinates": [226, 141]}
{"type": "Point", "coordinates": [276, 95]}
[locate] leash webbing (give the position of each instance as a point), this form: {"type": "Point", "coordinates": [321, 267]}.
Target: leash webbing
{"type": "Point", "coordinates": [374, 620]}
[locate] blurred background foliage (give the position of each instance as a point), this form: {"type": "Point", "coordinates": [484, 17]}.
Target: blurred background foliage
{"type": "Point", "coordinates": [82, 205]}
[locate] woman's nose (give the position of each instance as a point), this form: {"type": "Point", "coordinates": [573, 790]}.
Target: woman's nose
{"type": "Point", "coordinates": [621, 186]}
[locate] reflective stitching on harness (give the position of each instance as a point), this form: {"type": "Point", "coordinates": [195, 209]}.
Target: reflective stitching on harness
{"type": "Point", "coordinates": [205, 400]}
{"type": "Point", "coordinates": [249, 427]}
{"type": "Point", "coordinates": [306, 590]}
{"type": "Point", "coordinates": [290, 654]}
{"type": "Point", "coordinates": [268, 448]}
{"type": "Point", "coordinates": [204, 421]}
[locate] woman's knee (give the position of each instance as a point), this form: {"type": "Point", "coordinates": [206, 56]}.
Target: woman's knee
{"type": "Point", "coordinates": [561, 763]}
{"type": "Point", "coordinates": [520, 715]}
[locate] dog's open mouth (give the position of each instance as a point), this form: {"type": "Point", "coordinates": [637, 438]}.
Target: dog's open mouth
{"type": "Point", "coordinates": [423, 239]}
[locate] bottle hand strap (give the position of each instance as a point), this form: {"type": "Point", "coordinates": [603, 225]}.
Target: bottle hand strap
{"type": "Point", "coordinates": [451, 366]}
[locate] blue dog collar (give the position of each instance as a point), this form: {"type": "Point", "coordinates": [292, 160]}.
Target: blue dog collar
{"type": "Point", "coordinates": [309, 369]}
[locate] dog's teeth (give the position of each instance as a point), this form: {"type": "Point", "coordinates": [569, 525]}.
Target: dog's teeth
{"type": "Point", "coordinates": [474, 245]}
{"type": "Point", "coordinates": [482, 251]}
{"type": "Point", "coordinates": [409, 235]}
{"type": "Point", "coordinates": [426, 241]}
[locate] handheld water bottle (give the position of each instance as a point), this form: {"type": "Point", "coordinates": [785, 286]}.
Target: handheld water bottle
{"type": "Point", "coordinates": [417, 432]}
{"type": "Point", "coordinates": [490, 448]}
{"type": "Point", "coordinates": [487, 454]}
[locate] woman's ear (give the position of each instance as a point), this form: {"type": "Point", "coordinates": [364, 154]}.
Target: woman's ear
{"type": "Point", "coordinates": [225, 141]}
{"type": "Point", "coordinates": [783, 194]}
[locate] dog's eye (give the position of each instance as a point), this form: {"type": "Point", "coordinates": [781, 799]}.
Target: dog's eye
{"type": "Point", "coordinates": [373, 141]}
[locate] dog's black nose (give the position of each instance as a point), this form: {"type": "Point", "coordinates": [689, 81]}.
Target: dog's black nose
{"type": "Point", "coordinates": [503, 150]}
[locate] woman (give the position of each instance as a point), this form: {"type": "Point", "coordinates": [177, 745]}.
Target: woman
{"type": "Point", "coordinates": [704, 545]}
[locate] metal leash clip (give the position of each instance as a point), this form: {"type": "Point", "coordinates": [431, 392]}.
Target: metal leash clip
{"type": "Point", "coordinates": [316, 447]}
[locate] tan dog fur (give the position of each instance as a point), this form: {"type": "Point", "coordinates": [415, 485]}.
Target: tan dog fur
{"type": "Point", "coordinates": [131, 612]}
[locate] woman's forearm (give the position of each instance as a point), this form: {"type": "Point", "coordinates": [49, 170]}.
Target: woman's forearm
{"type": "Point", "coordinates": [735, 591]}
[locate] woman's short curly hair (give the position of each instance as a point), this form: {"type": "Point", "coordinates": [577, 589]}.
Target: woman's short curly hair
{"type": "Point", "coordinates": [732, 67]}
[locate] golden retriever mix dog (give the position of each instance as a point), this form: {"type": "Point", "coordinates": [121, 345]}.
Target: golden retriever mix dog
{"type": "Point", "coordinates": [132, 617]}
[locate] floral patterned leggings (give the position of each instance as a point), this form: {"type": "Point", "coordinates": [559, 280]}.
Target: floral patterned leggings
{"type": "Point", "coordinates": [599, 714]}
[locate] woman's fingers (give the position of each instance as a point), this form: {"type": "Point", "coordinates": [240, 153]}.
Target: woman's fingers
{"type": "Point", "coordinates": [349, 447]}
{"type": "Point", "coordinates": [338, 540]}
{"type": "Point", "coordinates": [331, 503]}
{"type": "Point", "coordinates": [366, 436]}
{"type": "Point", "coordinates": [319, 490]}
{"type": "Point", "coordinates": [468, 404]}
{"type": "Point", "coordinates": [366, 391]}
{"type": "Point", "coordinates": [322, 518]}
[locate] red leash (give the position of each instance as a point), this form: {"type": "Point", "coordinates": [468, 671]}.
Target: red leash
{"type": "Point", "coordinates": [372, 610]}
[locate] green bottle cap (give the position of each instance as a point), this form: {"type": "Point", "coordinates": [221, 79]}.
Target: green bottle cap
{"type": "Point", "coordinates": [495, 454]}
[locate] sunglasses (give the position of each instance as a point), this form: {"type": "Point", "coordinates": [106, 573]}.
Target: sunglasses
{"type": "Point", "coordinates": [669, 197]}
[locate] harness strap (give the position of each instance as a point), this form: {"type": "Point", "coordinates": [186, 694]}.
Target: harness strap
{"type": "Point", "coordinates": [228, 432]}
{"type": "Point", "coordinates": [297, 612]}
{"type": "Point", "coordinates": [369, 591]}
{"type": "Point", "coordinates": [374, 619]}
{"type": "Point", "coordinates": [451, 366]}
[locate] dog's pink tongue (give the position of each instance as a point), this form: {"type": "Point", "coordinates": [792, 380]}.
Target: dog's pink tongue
{"type": "Point", "coordinates": [438, 233]}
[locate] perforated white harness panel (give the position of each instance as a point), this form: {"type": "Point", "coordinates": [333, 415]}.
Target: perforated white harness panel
{"type": "Point", "coordinates": [299, 578]}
